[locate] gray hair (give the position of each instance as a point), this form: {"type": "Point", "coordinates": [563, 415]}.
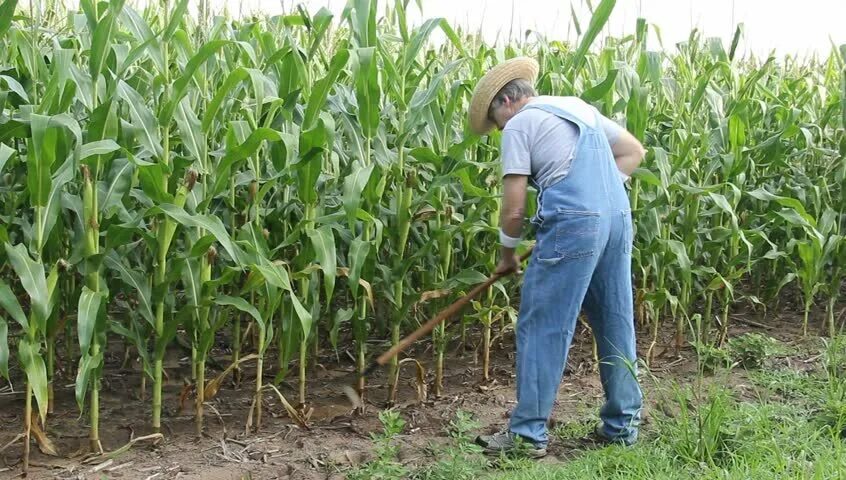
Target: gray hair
{"type": "Point", "coordinates": [514, 90]}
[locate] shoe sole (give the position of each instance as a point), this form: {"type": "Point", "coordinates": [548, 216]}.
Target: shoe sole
{"type": "Point", "coordinates": [487, 450]}
{"type": "Point", "coordinates": [579, 443]}
{"type": "Point", "coordinates": [534, 453]}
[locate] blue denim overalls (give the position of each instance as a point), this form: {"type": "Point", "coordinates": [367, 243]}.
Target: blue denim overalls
{"type": "Point", "coordinates": [582, 258]}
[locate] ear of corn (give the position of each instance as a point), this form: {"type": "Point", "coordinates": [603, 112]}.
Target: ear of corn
{"type": "Point", "coordinates": [283, 183]}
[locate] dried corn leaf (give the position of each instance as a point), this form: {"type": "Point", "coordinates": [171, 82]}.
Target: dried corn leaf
{"type": "Point", "coordinates": [44, 443]}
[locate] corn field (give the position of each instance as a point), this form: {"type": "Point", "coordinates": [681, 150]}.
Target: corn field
{"type": "Point", "coordinates": [305, 185]}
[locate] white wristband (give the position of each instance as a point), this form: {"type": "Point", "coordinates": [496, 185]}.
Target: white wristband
{"type": "Point", "coordinates": [506, 241]}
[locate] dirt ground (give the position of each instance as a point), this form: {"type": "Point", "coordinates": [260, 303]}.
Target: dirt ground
{"type": "Point", "coordinates": [335, 439]}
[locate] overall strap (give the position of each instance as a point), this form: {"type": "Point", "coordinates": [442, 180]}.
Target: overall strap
{"type": "Point", "coordinates": [584, 128]}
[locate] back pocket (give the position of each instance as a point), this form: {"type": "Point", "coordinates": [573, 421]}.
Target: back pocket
{"type": "Point", "coordinates": [575, 235]}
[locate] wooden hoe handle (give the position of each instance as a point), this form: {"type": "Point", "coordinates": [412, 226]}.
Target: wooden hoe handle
{"type": "Point", "coordinates": [445, 314]}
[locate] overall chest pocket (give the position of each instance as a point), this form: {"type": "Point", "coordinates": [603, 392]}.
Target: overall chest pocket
{"type": "Point", "coordinates": [572, 234]}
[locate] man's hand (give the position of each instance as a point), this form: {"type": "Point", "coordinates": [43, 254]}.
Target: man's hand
{"type": "Point", "coordinates": [509, 264]}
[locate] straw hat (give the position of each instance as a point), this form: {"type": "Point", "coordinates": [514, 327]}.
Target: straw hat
{"type": "Point", "coordinates": [493, 81]}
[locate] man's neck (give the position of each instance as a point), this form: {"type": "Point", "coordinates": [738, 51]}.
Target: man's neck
{"type": "Point", "coordinates": [519, 104]}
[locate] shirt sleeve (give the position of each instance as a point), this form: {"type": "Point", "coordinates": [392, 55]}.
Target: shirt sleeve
{"type": "Point", "coordinates": [516, 159]}
{"type": "Point", "coordinates": [611, 129]}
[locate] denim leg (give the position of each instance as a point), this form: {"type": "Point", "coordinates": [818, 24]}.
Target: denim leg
{"type": "Point", "coordinates": [551, 299]}
{"type": "Point", "coordinates": [609, 305]}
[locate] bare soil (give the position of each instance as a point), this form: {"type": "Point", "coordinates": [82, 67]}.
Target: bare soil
{"type": "Point", "coordinates": [336, 438]}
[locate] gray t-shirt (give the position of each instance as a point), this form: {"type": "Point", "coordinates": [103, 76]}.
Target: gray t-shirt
{"type": "Point", "coordinates": [542, 145]}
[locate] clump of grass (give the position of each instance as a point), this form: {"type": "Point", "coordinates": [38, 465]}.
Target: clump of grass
{"type": "Point", "coordinates": [833, 404]}
{"type": "Point", "coordinates": [790, 385]}
{"type": "Point", "coordinates": [709, 434]}
{"type": "Point", "coordinates": [752, 349]}
{"type": "Point", "coordinates": [712, 358]}
{"type": "Point", "coordinates": [385, 465]}
{"type": "Point", "coordinates": [574, 429]}
{"type": "Point", "coordinates": [460, 458]}
{"type": "Point", "coordinates": [820, 393]}
{"type": "Point", "coordinates": [700, 432]}
{"type": "Point", "coordinates": [714, 437]}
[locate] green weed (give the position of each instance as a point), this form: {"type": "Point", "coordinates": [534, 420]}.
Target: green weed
{"type": "Point", "coordinates": [833, 408]}
{"type": "Point", "coordinates": [751, 349]}
{"type": "Point", "coordinates": [712, 358]}
{"type": "Point", "coordinates": [460, 459]}
{"type": "Point", "coordinates": [385, 465]}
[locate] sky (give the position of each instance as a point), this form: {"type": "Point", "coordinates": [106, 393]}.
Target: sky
{"type": "Point", "coordinates": [789, 27]}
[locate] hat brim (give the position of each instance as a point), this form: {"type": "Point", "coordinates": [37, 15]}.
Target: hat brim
{"type": "Point", "coordinates": [491, 83]}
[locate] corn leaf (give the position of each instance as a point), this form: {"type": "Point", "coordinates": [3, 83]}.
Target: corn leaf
{"type": "Point", "coordinates": [149, 176]}
{"type": "Point", "coordinates": [136, 281]}
{"type": "Point", "coordinates": [42, 154]}
{"type": "Point", "coordinates": [470, 277]}
{"type": "Point", "coordinates": [226, 89]}
{"type": "Point", "coordinates": [240, 153]}
{"type": "Point", "coordinates": [321, 22]}
{"type": "Point", "coordinates": [367, 91]}
{"type": "Point", "coordinates": [9, 303]}
{"type": "Point", "coordinates": [14, 86]}
{"type": "Point", "coordinates": [313, 144]}
{"type": "Point", "coordinates": [101, 40]}
{"type": "Point", "coordinates": [323, 243]}
{"type": "Point", "coordinates": [680, 252]}
{"type": "Point", "coordinates": [597, 23]}
{"type": "Point", "coordinates": [273, 274]}
{"type": "Point", "coordinates": [208, 223]}
{"type": "Point", "coordinates": [6, 152]}
{"type": "Point", "coordinates": [31, 276]}
{"type": "Point", "coordinates": [4, 348]}
{"type": "Point", "coordinates": [115, 188]}
{"type": "Point", "coordinates": [89, 306]}
{"type": "Point", "coordinates": [362, 17]}
{"type": "Point", "coordinates": [418, 40]}
{"type": "Point", "coordinates": [142, 119]}
{"type": "Point", "coordinates": [735, 41]}
{"type": "Point", "coordinates": [180, 87]}
{"type": "Point", "coordinates": [598, 91]}
{"type": "Point", "coordinates": [354, 186]}
{"type": "Point", "coordinates": [321, 88]}
{"type": "Point", "coordinates": [423, 98]}
{"type": "Point", "coordinates": [792, 203]}
{"type": "Point", "coordinates": [99, 147]}
{"type": "Point", "coordinates": [359, 249]}
{"type": "Point", "coordinates": [144, 35]}
{"type": "Point", "coordinates": [241, 305]}
{"type": "Point", "coordinates": [342, 315]}
{"type": "Point", "coordinates": [192, 133]}
{"type": "Point", "coordinates": [175, 19]}
{"type": "Point", "coordinates": [193, 285]}
{"type": "Point", "coordinates": [7, 12]}
{"type": "Point", "coordinates": [88, 365]}
{"type": "Point", "coordinates": [794, 218]}
{"type": "Point", "coordinates": [29, 354]}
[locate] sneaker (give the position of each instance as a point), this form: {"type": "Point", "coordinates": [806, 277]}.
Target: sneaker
{"type": "Point", "coordinates": [505, 441]}
{"type": "Point", "coordinates": [598, 439]}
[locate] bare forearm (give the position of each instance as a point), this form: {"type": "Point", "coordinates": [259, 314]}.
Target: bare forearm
{"type": "Point", "coordinates": [628, 153]}
{"type": "Point", "coordinates": [628, 163]}
{"type": "Point", "coordinates": [512, 224]}
{"type": "Point", "coordinates": [513, 208]}
{"type": "Point", "coordinates": [511, 221]}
